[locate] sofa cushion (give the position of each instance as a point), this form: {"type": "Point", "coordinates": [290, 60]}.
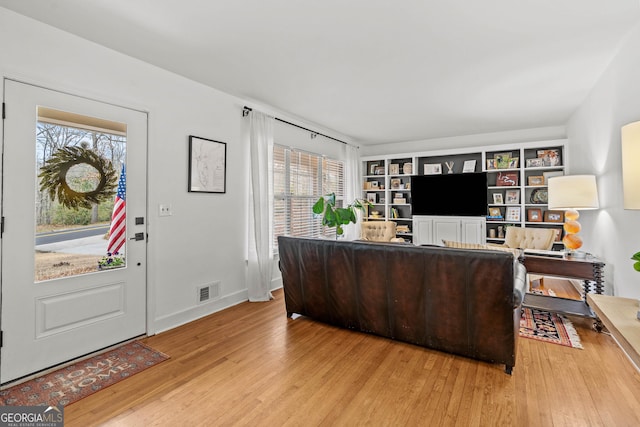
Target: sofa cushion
{"type": "Point", "coordinates": [462, 245]}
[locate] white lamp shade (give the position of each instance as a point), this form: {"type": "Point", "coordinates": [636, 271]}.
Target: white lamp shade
{"type": "Point", "coordinates": [631, 165]}
{"type": "Point", "coordinates": [573, 192]}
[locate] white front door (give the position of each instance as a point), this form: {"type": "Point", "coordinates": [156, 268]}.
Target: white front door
{"type": "Point", "coordinates": [63, 157]}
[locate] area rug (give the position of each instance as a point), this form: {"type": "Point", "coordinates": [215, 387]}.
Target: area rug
{"type": "Point", "coordinates": [548, 327]}
{"type": "Point", "coordinates": [74, 382]}
{"type": "Point", "coordinates": [538, 291]}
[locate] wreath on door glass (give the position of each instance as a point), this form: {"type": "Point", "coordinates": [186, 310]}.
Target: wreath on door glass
{"type": "Point", "coordinates": [53, 177]}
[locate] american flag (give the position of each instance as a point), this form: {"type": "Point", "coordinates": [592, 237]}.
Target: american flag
{"type": "Point", "coordinates": [117, 231]}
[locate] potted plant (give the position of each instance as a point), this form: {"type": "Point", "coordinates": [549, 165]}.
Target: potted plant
{"type": "Point", "coordinates": [636, 258]}
{"type": "Point", "coordinates": [333, 216]}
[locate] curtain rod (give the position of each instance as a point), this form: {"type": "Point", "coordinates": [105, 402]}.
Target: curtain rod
{"type": "Point", "coordinates": [246, 110]}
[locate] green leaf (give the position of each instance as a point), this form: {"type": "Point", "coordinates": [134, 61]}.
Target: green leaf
{"type": "Point", "coordinates": [344, 215]}
{"type": "Point", "coordinates": [330, 218]}
{"type": "Point", "coordinates": [318, 208]}
{"type": "Point", "coordinates": [636, 266]}
{"type": "Point", "coordinates": [339, 230]}
{"type": "Point", "coordinates": [636, 256]}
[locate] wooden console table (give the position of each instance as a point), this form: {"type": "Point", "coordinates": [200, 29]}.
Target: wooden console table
{"type": "Point", "coordinates": [589, 270]}
{"type": "Point", "coordinates": [619, 316]}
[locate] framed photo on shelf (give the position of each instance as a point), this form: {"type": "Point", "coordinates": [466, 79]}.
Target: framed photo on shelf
{"type": "Point", "coordinates": [469, 166]}
{"type": "Point", "coordinates": [207, 165]}
{"type": "Point", "coordinates": [554, 216]}
{"type": "Point", "coordinates": [372, 168]}
{"type": "Point", "coordinates": [495, 213]}
{"type": "Point", "coordinates": [513, 162]}
{"type": "Point", "coordinates": [535, 180]}
{"type": "Point", "coordinates": [379, 170]}
{"type": "Point", "coordinates": [394, 169]}
{"type": "Point", "coordinates": [535, 163]}
{"type": "Point", "coordinates": [507, 179]}
{"type": "Point", "coordinates": [534, 215]}
{"type": "Point", "coordinates": [491, 164]}
{"type": "Point", "coordinates": [374, 184]}
{"type": "Point", "coordinates": [502, 160]}
{"type": "Point", "coordinates": [395, 183]}
{"type": "Point", "coordinates": [433, 169]}
{"type": "Point", "coordinates": [513, 213]}
{"type": "Point", "coordinates": [372, 197]}
{"type": "Point", "coordinates": [512, 197]}
{"type": "Point", "coordinates": [497, 199]}
{"type": "Point", "coordinates": [549, 157]}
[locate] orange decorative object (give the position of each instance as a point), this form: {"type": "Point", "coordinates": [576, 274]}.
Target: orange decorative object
{"type": "Point", "coordinates": [571, 215]}
{"type": "Point", "coordinates": [572, 241]}
{"type": "Point", "coordinates": [572, 227]}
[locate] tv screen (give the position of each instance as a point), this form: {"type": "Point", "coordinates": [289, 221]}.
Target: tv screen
{"type": "Point", "coordinates": [462, 194]}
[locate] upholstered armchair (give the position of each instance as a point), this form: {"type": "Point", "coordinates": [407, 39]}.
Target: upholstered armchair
{"type": "Point", "coordinates": [529, 238]}
{"type": "Point", "coordinates": [379, 231]}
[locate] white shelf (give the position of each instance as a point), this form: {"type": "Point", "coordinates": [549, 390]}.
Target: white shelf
{"type": "Point", "coordinates": [523, 151]}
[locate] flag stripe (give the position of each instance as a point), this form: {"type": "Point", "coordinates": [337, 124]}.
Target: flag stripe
{"type": "Point", "coordinates": [117, 230]}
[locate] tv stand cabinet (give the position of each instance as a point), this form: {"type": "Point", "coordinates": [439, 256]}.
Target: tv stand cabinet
{"type": "Point", "coordinates": [432, 230]}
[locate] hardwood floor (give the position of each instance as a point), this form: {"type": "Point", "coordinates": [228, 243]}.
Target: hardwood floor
{"type": "Point", "coordinates": [250, 365]}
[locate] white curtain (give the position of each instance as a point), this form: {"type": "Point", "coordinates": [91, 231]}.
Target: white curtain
{"type": "Point", "coordinates": [260, 207]}
{"type": "Point", "coordinates": [352, 188]}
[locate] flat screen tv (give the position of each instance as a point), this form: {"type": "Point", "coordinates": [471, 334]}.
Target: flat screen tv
{"type": "Point", "coordinates": [463, 194]}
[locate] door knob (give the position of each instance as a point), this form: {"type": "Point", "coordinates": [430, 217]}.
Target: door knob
{"type": "Point", "coordinates": [137, 236]}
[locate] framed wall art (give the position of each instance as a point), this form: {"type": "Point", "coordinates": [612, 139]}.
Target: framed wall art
{"type": "Point", "coordinates": [507, 179]}
{"type": "Point", "coordinates": [535, 180]}
{"type": "Point", "coordinates": [512, 197]}
{"type": "Point", "coordinates": [554, 216]}
{"type": "Point", "coordinates": [513, 213]}
{"type": "Point", "coordinates": [495, 213]}
{"type": "Point", "coordinates": [534, 215]}
{"type": "Point", "coordinates": [433, 169]}
{"type": "Point", "coordinates": [207, 165]}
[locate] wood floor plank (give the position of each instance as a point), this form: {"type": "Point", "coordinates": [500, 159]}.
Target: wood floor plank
{"type": "Point", "coordinates": [251, 365]}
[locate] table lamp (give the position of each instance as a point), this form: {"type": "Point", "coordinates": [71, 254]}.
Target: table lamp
{"type": "Point", "coordinates": [572, 193]}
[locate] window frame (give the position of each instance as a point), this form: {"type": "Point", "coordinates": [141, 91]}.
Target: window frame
{"type": "Point", "coordinates": [288, 201]}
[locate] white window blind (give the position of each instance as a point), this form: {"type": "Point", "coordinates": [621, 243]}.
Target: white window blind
{"type": "Point", "coordinates": [300, 178]}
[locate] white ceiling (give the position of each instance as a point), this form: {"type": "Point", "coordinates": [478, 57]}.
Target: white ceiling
{"type": "Point", "coordinates": [373, 70]}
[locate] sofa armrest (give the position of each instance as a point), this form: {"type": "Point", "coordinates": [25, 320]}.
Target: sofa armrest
{"type": "Point", "coordinates": [519, 283]}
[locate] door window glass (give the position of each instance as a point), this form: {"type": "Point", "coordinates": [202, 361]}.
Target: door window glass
{"type": "Point", "coordinates": [80, 194]}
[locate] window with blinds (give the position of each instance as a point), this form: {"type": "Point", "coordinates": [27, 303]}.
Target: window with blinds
{"type": "Point", "coordinates": [299, 179]}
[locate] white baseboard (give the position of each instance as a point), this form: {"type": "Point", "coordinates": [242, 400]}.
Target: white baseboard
{"type": "Point", "coordinates": [180, 318]}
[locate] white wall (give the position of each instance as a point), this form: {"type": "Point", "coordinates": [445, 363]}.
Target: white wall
{"type": "Point", "coordinates": [205, 239]}
{"type": "Point", "coordinates": [594, 137]}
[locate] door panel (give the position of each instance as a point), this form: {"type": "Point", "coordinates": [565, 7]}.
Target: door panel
{"type": "Point", "coordinates": [51, 319]}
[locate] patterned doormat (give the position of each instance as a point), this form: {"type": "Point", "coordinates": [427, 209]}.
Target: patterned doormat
{"type": "Point", "coordinates": [548, 327]}
{"type": "Point", "coordinates": [74, 382]}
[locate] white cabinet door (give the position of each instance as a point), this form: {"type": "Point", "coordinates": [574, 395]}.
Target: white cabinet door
{"type": "Point", "coordinates": [474, 230]}
{"type": "Point", "coordinates": [422, 230]}
{"type": "Point", "coordinates": [446, 228]}
{"type": "Point", "coordinates": [432, 230]}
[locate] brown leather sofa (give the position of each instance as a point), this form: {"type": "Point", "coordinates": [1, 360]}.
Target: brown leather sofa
{"type": "Point", "coordinates": [460, 301]}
